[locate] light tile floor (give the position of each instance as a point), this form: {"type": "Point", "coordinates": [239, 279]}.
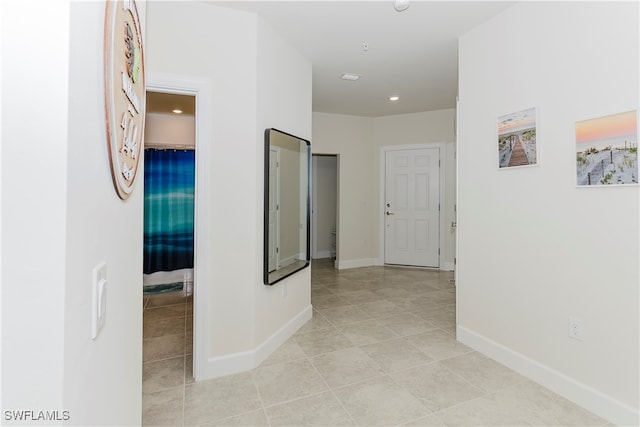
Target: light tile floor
{"type": "Point", "coordinates": [379, 351]}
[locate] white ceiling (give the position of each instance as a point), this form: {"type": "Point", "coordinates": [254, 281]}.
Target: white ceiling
{"type": "Point", "coordinates": [412, 54]}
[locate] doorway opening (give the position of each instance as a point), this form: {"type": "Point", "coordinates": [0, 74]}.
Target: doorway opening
{"type": "Point", "coordinates": [169, 189]}
{"type": "Point", "coordinates": [197, 327]}
{"type": "Point", "coordinates": [325, 206]}
{"type": "Point", "coordinates": [169, 279]}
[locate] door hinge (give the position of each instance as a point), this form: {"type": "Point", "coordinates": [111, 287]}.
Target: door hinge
{"type": "Point", "coordinates": [438, 251]}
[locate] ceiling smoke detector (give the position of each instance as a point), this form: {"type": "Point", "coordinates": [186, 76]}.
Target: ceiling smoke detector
{"type": "Point", "coordinates": [400, 5]}
{"type": "Point", "coordinates": [350, 77]}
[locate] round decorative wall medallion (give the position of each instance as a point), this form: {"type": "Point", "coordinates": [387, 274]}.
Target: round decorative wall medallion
{"type": "Point", "coordinates": [124, 92]}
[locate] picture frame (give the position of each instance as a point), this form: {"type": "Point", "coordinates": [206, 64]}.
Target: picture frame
{"type": "Point", "coordinates": [517, 139]}
{"type": "Point", "coordinates": [606, 150]}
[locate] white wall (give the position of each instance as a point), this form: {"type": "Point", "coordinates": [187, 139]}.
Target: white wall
{"type": "Point", "coordinates": [257, 81]}
{"type": "Point", "coordinates": [533, 248]}
{"type": "Point", "coordinates": [61, 217]}
{"type": "Point", "coordinates": [284, 103]}
{"type": "Point", "coordinates": [98, 223]}
{"type": "Point", "coordinates": [357, 141]}
{"type": "Point", "coordinates": [350, 138]}
{"type": "Point", "coordinates": [170, 130]}
{"type": "Point", "coordinates": [219, 45]}
{"type": "Point", "coordinates": [34, 203]}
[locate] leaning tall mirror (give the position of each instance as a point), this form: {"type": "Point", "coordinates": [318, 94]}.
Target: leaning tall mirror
{"type": "Point", "coordinates": [286, 205]}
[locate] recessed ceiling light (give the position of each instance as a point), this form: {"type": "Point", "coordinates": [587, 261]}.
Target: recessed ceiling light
{"type": "Point", "coordinates": [177, 111]}
{"type": "Point", "coordinates": [394, 98]}
{"type": "Point", "coordinates": [400, 5]}
{"type": "Point", "coordinates": [351, 77]}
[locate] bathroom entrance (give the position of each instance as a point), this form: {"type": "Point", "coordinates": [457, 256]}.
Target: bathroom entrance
{"type": "Point", "coordinates": [169, 250]}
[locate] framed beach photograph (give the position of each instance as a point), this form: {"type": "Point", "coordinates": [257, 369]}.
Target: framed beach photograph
{"type": "Point", "coordinates": [607, 150]}
{"type": "Point", "coordinates": [517, 139]}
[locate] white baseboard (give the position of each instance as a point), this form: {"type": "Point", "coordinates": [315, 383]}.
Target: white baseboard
{"type": "Point", "coordinates": [599, 403]}
{"type": "Point", "coordinates": [245, 360]}
{"type": "Point", "coordinates": [447, 266]}
{"type": "Point", "coordinates": [355, 263]}
{"type": "Point", "coordinates": [272, 343]}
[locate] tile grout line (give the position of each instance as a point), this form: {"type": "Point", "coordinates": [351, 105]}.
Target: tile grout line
{"type": "Point", "coordinates": [344, 408]}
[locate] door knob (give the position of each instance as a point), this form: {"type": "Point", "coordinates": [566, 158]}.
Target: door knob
{"type": "Point", "coordinates": [389, 213]}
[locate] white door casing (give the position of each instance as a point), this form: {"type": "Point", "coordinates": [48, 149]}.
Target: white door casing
{"type": "Point", "coordinates": [274, 208]}
{"type": "Point", "coordinates": [412, 207]}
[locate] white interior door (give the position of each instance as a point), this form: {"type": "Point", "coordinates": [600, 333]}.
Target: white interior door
{"type": "Point", "coordinates": [274, 208]}
{"type": "Point", "coordinates": [412, 207]}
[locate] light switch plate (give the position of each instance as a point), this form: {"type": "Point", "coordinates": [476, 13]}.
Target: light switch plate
{"type": "Point", "coordinates": [99, 299]}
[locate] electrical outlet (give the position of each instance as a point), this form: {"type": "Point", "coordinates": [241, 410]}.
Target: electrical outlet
{"type": "Point", "coordinates": [576, 329]}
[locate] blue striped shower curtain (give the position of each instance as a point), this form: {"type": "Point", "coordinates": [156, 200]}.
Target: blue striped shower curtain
{"type": "Point", "coordinates": [169, 181]}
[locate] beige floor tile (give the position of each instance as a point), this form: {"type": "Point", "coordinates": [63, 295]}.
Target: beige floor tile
{"type": "Point", "coordinates": [381, 308]}
{"type": "Point", "coordinates": [438, 344]}
{"type": "Point", "coordinates": [287, 352]}
{"type": "Point", "coordinates": [389, 292]}
{"type": "Point", "coordinates": [412, 303]}
{"type": "Point", "coordinates": [366, 333]}
{"type": "Point", "coordinates": [211, 400]}
{"type": "Point", "coordinates": [169, 298]}
{"type": "Point", "coordinates": [328, 301]}
{"type": "Point", "coordinates": [342, 286]}
{"type": "Point", "coordinates": [344, 315]}
{"type": "Point", "coordinates": [440, 297]}
{"type": "Point", "coordinates": [287, 381]}
{"type": "Point", "coordinates": [451, 329]}
{"type": "Point", "coordinates": [153, 328]}
{"type": "Point", "coordinates": [376, 376]}
{"type": "Point", "coordinates": [321, 341]}
{"type": "Point", "coordinates": [319, 291]}
{"type": "Point", "coordinates": [166, 312]}
{"type": "Point", "coordinates": [395, 355]}
{"type": "Point", "coordinates": [346, 366]}
{"type": "Point", "coordinates": [543, 407]}
{"type": "Point", "coordinates": [315, 323]}
{"type": "Point", "coordinates": [163, 347]}
{"type": "Point", "coordinates": [250, 419]}
{"type": "Point", "coordinates": [318, 410]}
{"type": "Point", "coordinates": [361, 296]}
{"type": "Point", "coordinates": [188, 327]}
{"type": "Point", "coordinates": [483, 372]}
{"type": "Point", "coordinates": [406, 324]}
{"type": "Point", "coordinates": [380, 402]}
{"type": "Point", "coordinates": [438, 312]}
{"type": "Point", "coordinates": [163, 408]}
{"type": "Point", "coordinates": [436, 387]}
{"type": "Point", "coordinates": [525, 404]}
{"type": "Point", "coordinates": [163, 374]}
{"type": "Point", "coordinates": [188, 369]}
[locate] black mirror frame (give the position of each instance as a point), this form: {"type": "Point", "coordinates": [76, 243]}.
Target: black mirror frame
{"type": "Point", "coordinates": [265, 255]}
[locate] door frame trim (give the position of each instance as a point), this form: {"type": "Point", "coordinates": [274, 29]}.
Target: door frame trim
{"type": "Point", "coordinates": [442, 146]}
{"type": "Point", "coordinates": [201, 89]}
